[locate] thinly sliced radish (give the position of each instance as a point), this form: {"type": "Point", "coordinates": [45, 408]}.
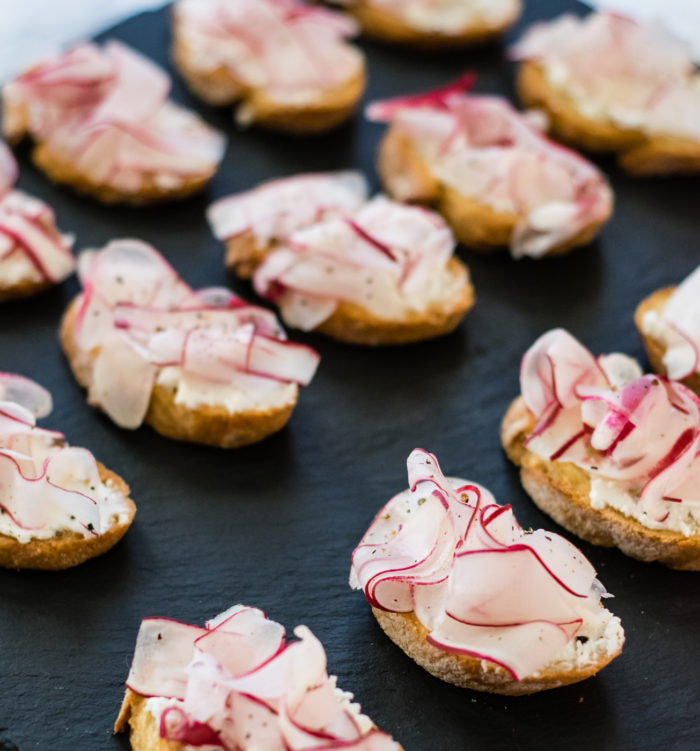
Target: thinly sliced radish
{"type": "Point", "coordinates": [278, 208]}
{"type": "Point", "coordinates": [27, 393]}
{"type": "Point", "coordinates": [290, 49]}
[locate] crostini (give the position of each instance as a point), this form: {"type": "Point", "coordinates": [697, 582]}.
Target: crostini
{"type": "Point", "coordinates": [427, 24]}
{"type": "Point", "coordinates": [669, 323]}
{"type": "Point", "coordinates": [610, 454]}
{"type": "Point", "coordinates": [612, 84]}
{"type": "Point", "coordinates": [238, 685]}
{"type": "Point", "coordinates": [102, 123]}
{"type": "Point", "coordinates": [490, 172]}
{"type": "Point", "coordinates": [474, 599]}
{"type": "Point", "coordinates": [372, 273]}
{"type": "Point", "coordinates": [286, 65]}
{"type": "Point", "coordinates": [201, 366]}
{"type": "Point", "coordinates": [58, 505]}
{"type": "Point", "coordinates": [34, 255]}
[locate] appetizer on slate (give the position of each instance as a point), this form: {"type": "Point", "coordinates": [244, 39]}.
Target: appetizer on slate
{"type": "Point", "coordinates": [611, 84]}
{"type": "Point", "coordinates": [490, 172]}
{"type": "Point", "coordinates": [609, 453]}
{"type": "Point", "coordinates": [238, 685]}
{"type": "Point", "coordinates": [34, 255]}
{"type": "Point", "coordinates": [285, 64]}
{"type": "Point", "coordinates": [434, 24]}
{"type": "Point", "coordinates": [669, 322]}
{"type": "Point", "coordinates": [476, 600]}
{"type": "Point", "coordinates": [201, 366]}
{"type": "Point", "coordinates": [102, 123]}
{"type": "Point", "coordinates": [373, 273]}
{"type": "Point", "coordinates": [58, 505]}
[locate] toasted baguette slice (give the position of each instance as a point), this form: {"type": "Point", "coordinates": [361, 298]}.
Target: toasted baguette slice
{"type": "Point", "coordinates": [654, 348]}
{"type": "Point", "coordinates": [381, 23]}
{"type": "Point", "coordinates": [67, 548]}
{"type": "Point", "coordinates": [638, 153]}
{"type": "Point", "coordinates": [220, 88]}
{"type": "Point", "coordinates": [210, 425]}
{"type": "Point", "coordinates": [406, 177]}
{"type": "Point", "coordinates": [144, 731]}
{"type": "Point", "coordinates": [562, 490]}
{"type": "Point", "coordinates": [406, 631]}
{"type": "Point", "coordinates": [353, 324]}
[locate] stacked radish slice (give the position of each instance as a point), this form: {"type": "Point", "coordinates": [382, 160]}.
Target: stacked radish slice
{"type": "Point", "coordinates": [105, 112]}
{"type": "Point", "coordinates": [637, 436]}
{"type": "Point", "coordinates": [677, 325]}
{"type": "Point", "coordinates": [278, 208]}
{"type": "Point", "coordinates": [45, 485]}
{"type": "Point", "coordinates": [237, 684]}
{"type": "Point", "coordinates": [613, 68]}
{"type": "Point", "coordinates": [482, 148]}
{"type": "Point", "coordinates": [446, 552]}
{"type": "Point", "coordinates": [141, 319]}
{"type": "Point", "coordinates": [32, 251]}
{"type": "Point", "coordinates": [294, 52]}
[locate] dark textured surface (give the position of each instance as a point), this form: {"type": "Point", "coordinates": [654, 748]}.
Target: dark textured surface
{"type": "Point", "coordinates": [274, 525]}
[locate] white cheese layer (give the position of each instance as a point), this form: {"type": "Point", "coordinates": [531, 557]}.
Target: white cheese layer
{"type": "Point", "coordinates": [195, 392]}
{"type": "Point", "coordinates": [112, 506]}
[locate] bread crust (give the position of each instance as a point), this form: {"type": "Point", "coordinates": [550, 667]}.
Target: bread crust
{"type": "Point", "coordinates": [407, 632]}
{"type": "Point", "coordinates": [638, 154]}
{"type": "Point", "coordinates": [654, 348]}
{"type": "Point", "coordinates": [144, 732]}
{"type": "Point", "coordinates": [23, 289]}
{"type": "Point", "coordinates": [353, 324]}
{"type": "Point", "coordinates": [406, 177]}
{"type": "Point", "coordinates": [220, 87]}
{"type": "Point", "coordinates": [206, 424]}
{"type": "Point", "coordinates": [67, 548]}
{"type": "Point", "coordinates": [391, 27]}
{"type": "Point", "coordinates": [64, 172]}
{"type": "Point", "coordinates": [562, 490]}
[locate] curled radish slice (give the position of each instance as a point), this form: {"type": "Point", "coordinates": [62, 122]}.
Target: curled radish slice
{"type": "Point", "coordinates": [637, 436]}
{"type": "Point", "coordinates": [295, 52]}
{"type": "Point", "coordinates": [106, 112]}
{"type": "Point", "coordinates": [143, 319]}
{"type": "Point", "coordinates": [46, 486]}
{"type": "Point", "coordinates": [447, 552]}
{"type": "Point", "coordinates": [238, 684]}
{"type": "Point", "coordinates": [485, 150]}
{"type": "Point", "coordinates": [28, 232]}
{"type": "Point", "coordinates": [25, 392]}
{"type": "Point", "coordinates": [614, 68]}
{"type": "Point", "coordinates": [277, 209]}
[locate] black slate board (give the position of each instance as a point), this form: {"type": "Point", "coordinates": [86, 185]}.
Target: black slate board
{"type": "Point", "coordinates": [274, 525]}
